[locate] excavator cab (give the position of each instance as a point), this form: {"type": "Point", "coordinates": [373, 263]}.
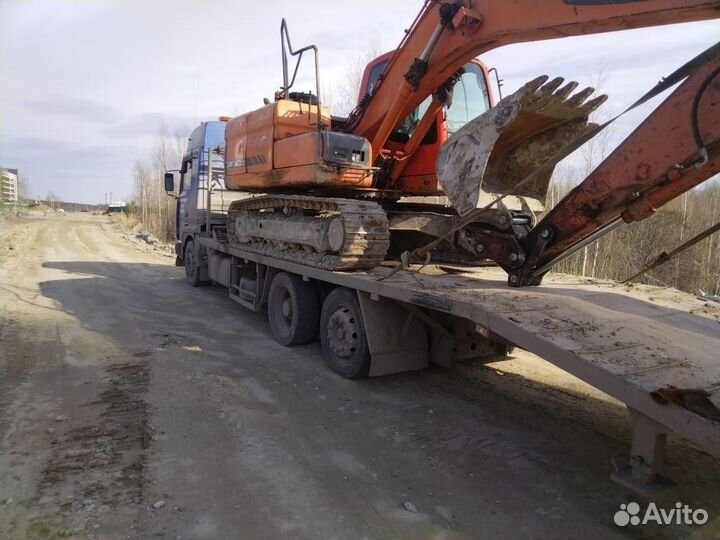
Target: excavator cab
{"type": "Point", "coordinates": [472, 96]}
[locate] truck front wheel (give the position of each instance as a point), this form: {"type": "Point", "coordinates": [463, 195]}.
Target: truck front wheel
{"type": "Point", "coordinates": [293, 309]}
{"type": "Point", "coordinates": [342, 334]}
{"type": "Point", "coordinates": [192, 270]}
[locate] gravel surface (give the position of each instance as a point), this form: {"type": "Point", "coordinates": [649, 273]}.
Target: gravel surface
{"type": "Point", "coordinates": [134, 406]}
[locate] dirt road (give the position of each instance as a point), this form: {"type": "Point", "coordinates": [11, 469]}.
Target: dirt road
{"type": "Point", "coordinates": [133, 406]}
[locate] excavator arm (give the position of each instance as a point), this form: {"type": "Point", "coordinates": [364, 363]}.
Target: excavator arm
{"type": "Point", "coordinates": [676, 148]}
{"type": "Point", "coordinates": [672, 151]}
{"type": "Point", "coordinates": [449, 33]}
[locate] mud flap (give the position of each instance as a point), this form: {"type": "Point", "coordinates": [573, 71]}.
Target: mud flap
{"type": "Point", "coordinates": [493, 153]}
{"type": "Point", "coordinates": [178, 254]}
{"type": "Point", "coordinates": [397, 340]}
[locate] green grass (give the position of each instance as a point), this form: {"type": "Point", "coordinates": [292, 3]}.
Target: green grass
{"type": "Point", "coordinates": [7, 207]}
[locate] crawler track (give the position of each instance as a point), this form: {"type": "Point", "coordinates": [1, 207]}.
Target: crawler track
{"type": "Point", "coordinates": [365, 228]}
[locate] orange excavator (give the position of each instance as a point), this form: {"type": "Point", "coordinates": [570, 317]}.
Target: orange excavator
{"type": "Point", "coordinates": [429, 165]}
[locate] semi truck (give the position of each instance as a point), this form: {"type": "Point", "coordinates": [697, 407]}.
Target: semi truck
{"type": "Point", "coordinates": [333, 225]}
{"type": "Point", "coordinates": [381, 321]}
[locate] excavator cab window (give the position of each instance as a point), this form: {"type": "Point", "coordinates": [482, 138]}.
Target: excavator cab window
{"type": "Point", "coordinates": [375, 72]}
{"type": "Point", "coordinates": [407, 126]}
{"type": "Point", "coordinates": [470, 98]}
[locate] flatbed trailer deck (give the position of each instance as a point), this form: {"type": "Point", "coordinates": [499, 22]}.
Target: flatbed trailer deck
{"type": "Point", "coordinates": [624, 346]}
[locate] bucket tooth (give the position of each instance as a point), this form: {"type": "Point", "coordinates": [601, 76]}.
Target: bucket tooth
{"type": "Point", "coordinates": [536, 83]}
{"type": "Point", "coordinates": [493, 153]}
{"type": "Point", "coordinates": [591, 106]}
{"type": "Point", "coordinates": [549, 88]}
{"type": "Point", "coordinates": [579, 98]}
{"type": "Point", "coordinates": [566, 90]}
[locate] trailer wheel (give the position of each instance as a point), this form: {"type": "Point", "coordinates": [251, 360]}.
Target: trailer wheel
{"type": "Point", "coordinates": [342, 334]}
{"type": "Point", "coordinates": [192, 270]}
{"type": "Point", "coordinates": [293, 309]}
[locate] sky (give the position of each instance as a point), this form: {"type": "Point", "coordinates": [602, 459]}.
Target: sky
{"type": "Point", "coordinates": [86, 84]}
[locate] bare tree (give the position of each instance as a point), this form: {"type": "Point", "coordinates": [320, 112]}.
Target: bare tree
{"type": "Point", "coordinates": [344, 95]}
{"type": "Point", "coordinates": [589, 156]}
{"type": "Point", "coordinates": [143, 181]}
{"type": "Point", "coordinates": [51, 199]}
{"type": "Point", "coordinates": [593, 153]}
{"type": "Point", "coordinates": [23, 186]}
{"type": "Point", "coordinates": [153, 208]}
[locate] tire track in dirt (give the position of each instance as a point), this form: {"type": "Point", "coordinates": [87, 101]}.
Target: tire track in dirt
{"type": "Point", "coordinates": [74, 422]}
{"type": "Point", "coordinates": [102, 464]}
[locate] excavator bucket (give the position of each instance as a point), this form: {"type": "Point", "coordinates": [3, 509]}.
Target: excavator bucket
{"type": "Point", "coordinates": [493, 153]}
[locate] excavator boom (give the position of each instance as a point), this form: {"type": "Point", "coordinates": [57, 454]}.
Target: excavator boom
{"type": "Point", "coordinates": [447, 34]}
{"type": "Point", "coordinates": [497, 153]}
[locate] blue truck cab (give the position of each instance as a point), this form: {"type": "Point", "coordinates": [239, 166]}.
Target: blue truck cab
{"type": "Point", "coordinates": [204, 153]}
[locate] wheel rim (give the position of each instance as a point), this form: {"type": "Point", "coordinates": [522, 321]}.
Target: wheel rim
{"type": "Point", "coordinates": [342, 332]}
{"type": "Point", "coordinates": [189, 262]}
{"type": "Point", "coordinates": [286, 309]}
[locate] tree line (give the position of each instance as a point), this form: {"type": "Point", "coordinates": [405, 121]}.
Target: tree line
{"type": "Point", "coordinates": [151, 206]}
{"type": "Point", "coordinates": [628, 249]}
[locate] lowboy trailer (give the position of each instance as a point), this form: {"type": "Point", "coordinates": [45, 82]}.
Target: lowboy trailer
{"type": "Point", "coordinates": [379, 322]}
{"type": "Point", "coordinates": [662, 363]}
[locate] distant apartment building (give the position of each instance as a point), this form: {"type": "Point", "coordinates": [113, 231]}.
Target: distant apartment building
{"type": "Point", "coordinates": [8, 185]}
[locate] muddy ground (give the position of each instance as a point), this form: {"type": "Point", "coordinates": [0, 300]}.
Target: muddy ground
{"type": "Point", "coordinates": [133, 406]}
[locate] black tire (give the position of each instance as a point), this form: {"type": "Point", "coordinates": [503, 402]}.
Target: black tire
{"type": "Point", "coordinates": [342, 334]}
{"type": "Point", "coordinates": [293, 309]}
{"type": "Point", "coordinates": [192, 270]}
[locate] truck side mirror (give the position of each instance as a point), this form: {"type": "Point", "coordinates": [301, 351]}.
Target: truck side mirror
{"type": "Point", "coordinates": [169, 182]}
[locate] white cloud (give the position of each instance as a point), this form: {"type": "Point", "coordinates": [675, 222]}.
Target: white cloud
{"type": "Point", "coordinates": [72, 108]}
{"type": "Point", "coordinates": [91, 81]}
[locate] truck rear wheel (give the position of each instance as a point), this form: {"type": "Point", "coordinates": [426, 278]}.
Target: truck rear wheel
{"type": "Point", "coordinates": [192, 270]}
{"type": "Point", "coordinates": [293, 309]}
{"type": "Point", "coordinates": [342, 334]}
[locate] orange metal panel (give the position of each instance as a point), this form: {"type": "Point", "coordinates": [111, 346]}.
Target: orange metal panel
{"type": "Point", "coordinates": [300, 176]}
{"type": "Point", "coordinates": [235, 141]}
{"type": "Point", "coordinates": [258, 154]}
{"type": "Point", "coordinates": [425, 184]}
{"type": "Point", "coordinates": [298, 150]}
{"type": "Point", "coordinates": [294, 118]}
